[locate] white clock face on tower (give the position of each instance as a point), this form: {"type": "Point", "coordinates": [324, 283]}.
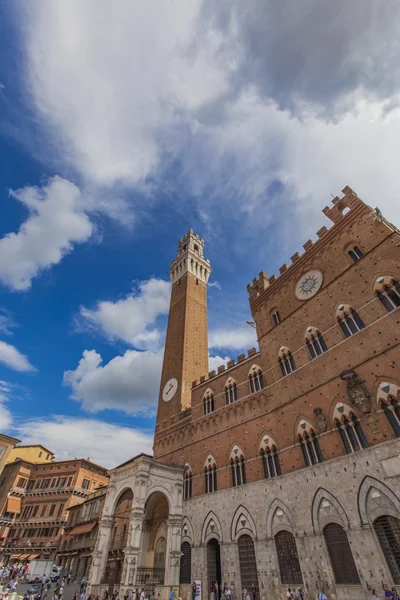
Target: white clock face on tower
{"type": "Point", "coordinates": [308, 284]}
{"type": "Point", "coordinates": [169, 390]}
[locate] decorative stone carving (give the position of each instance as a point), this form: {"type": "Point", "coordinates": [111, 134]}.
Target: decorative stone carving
{"type": "Point", "coordinates": [358, 394]}
{"type": "Point", "coordinates": [320, 419]}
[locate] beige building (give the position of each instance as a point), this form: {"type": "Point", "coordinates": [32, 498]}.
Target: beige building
{"type": "Point", "coordinates": [35, 454]}
{"type": "Point", "coordinates": [34, 503]}
{"type": "Point", "coordinates": [80, 534]}
{"type": "Point", "coordinates": [7, 444]}
{"type": "Point", "coordinates": [281, 468]}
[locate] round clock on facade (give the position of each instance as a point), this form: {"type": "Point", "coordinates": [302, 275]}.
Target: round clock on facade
{"type": "Point", "coordinates": [170, 388]}
{"type": "Point", "coordinates": [308, 284]}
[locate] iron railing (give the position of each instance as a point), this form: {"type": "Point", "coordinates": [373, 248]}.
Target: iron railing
{"type": "Point", "coordinates": [148, 578]}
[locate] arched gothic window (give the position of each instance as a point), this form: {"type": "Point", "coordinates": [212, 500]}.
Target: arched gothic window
{"type": "Point", "coordinates": [315, 342]}
{"type": "Point", "coordinates": [270, 461]}
{"type": "Point", "coordinates": [355, 253]}
{"type": "Point", "coordinates": [286, 361]}
{"type": "Point", "coordinates": [187, 484]}
{"type": "Point", "coordinates": [210, 476]}
{"type": "Point", "coordinates": [309, 444]}
{"type": "Point", "coordinates": [231, 393]}
{"type": "Point", "coordinates": [288, 558]}
{"type": "Point", "coordinates": [238, 467]}
{"type": "Point", "coordinates": [256, 379]}
{"type": "Point", "coordinates": [391, 409]}
{"type": "Point", "coordinates": [388, 291]}
{"type": "Point", "coordinates": [351, 433]}
{"type": "Point", "coordinates": [349, 320]}
{"type": "Point", "coordinates": [343, 565]}
{"type": "Point", "coordinates": [208, 402]}
{"type": "Point", "coordinates": [387, 529]}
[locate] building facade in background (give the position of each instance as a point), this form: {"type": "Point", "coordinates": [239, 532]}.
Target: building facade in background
{"type": "Point", "coordinates": [34, 503]}
{"type": "Point", "coordinates": [80, 533]}
{"type": "Point", "coordinates": [290, 454]}
{"type": "Point", "coordinates": [7, 444]}
{"type": "Point", "coordinates": [35, 453]}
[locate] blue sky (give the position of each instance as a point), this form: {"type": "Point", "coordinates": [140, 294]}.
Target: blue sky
{"type": "Point", "coordinates": [121, 126]}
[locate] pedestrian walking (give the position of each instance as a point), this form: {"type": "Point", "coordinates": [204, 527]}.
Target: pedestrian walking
{"type": "Point", "coordinates": [387, 592]}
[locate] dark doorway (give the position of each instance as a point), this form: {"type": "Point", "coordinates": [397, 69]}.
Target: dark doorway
{"type": "Point", "coordinates": [248, 565]}
{"type": "Point", "coordinates": [185, 575]}
{"type": "Point", "coordinates": [213, 565]}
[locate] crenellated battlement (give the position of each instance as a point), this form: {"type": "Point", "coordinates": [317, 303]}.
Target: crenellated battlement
{"type": "Point", "coordinates": [336, 213]}
{"type": "Point", "coordinates": [190, 259]}
{"type": "Point", "coordinates": [222, 368]}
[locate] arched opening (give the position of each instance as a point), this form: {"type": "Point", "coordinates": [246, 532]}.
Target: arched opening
{"type": "Point", "coordinates": [213, 566]}
{"type": "Point", "coordinates": [387, 529]}
{"type": "Point", "coordinates": [342, 561]}
{"type": "Point", "coordinates": [248, 565]}
{"type": "Point", "coordinates": [151, 571]}
{"type": "Point", "coordinates": [118, 540]}
{"type": "Point", "coordinates": [185, 573]}
{"type": "Point", "coordinates": [288, 559]}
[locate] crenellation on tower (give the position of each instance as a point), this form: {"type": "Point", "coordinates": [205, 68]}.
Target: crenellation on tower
{"type": "Point", "coordinates": [190, 259]}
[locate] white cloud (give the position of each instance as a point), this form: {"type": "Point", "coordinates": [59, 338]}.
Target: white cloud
{"type": "Point", "coordinates": [5, 414]}
{"type": "Point", "coordinates": [132, 319]}
{"type": "Point", "coordinates": [214, 284]}
{"type": "Point", "coordinates": [12, 358]}
{"type": "Point", "coordinates": [208, 84]}
{"type": "Point", "coordinates": [104, 443]}
{"type": "Point", "coordinates": [233, 338]}
{"type": "Point", "coordinates": [216, 361]}
{"type": "Point", "coordinates": [6, 323]}
{"type": "Point", "coordinates": [56, 221]}
{"type": "Point", "coordinates": [129, 383]}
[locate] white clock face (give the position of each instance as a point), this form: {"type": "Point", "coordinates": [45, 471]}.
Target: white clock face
{"type": "Point", "coordinates": [169, 390]}
{"type": "Point", "coordinates": [309, 284]}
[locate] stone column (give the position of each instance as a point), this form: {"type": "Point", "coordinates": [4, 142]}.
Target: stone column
{"type": "Point", "coordinates": [133, 546]}
{"type": "Point", "coordinates": [101, 550]}
{"type": "Point", "coordinates": [173, 558]}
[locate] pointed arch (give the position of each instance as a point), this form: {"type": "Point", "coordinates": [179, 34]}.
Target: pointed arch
{"type": "Point", "coordinates": [211, 528]}
{"type": "Point", "coordinates": [238, 466]}
{"type": "Point", "coordinates": [349, 320]}
{"type": "Point", "coordinates": [187, 531]}
{"type": "Point", "coordinates": [231, 391]}
{"type": "Point", "coordinates": [370, 506]}
{"type": "Point", "coordinates": [326, 502]}
{"type": "Point", "coordinates": [309, 443]}
{"type": "Point", "coordinates": [256, 379]}
{"type": "Point", "coordinates": [314, 341]}
{"type": "Point", "coordinates": [279, 518]}
{"type": "Point", "coordinates": [242, 523]}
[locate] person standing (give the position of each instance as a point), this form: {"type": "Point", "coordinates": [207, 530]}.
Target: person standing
{"type": "Point", "coordinates": [374, 596]}
{"type": "Point", "coordinates": [44, 579]}
{"type": "Point", "coordinates": [387, 592]}
{"type": "Point", "coordinates": [172, 594]}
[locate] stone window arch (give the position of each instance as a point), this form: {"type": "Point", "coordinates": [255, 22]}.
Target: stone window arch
{"type": "Point", "coordinates": [388, 400]}
{"type": "Point", "coordinates": [388, 291]}
{"type": "Point", "coordinates": [340, 554]}
{"type": "Point", "coordinates": [256, 379]}
{"type": "Point", "coordinates": [349, 428]}
{"type": "Point", "coordinates": [315, 342]}
{"type": "Point", "coordinates": [349, 320]}
{"type": "Point", "coordinates": [187, 483]}
{"type": "Point", "coordinates": [238, 467]}
{"type": "Point", "coordinates": [286, 361]}
{"type": "Point", "coordinates": [208, 402]}
{"type": "Point", "coordinates": [309, 443]}
{"type": "Point", "coordinates": [210, 475]}
{"type": "Point", "coordinates": [269, 457]}
{"type": "Point", "coordinates": [231, 392]}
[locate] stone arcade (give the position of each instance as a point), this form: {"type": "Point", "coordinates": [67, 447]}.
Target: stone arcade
{"type": "Point", "coordinates": [281, 468]}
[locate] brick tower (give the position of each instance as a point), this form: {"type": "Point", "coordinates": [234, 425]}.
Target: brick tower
{"type": "Point", "coordinates": [186, 347]}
